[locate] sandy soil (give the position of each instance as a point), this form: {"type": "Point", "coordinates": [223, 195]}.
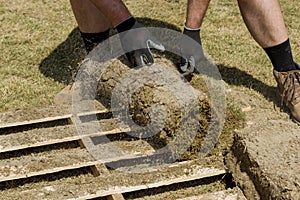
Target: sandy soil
{"type": "Point", "coordinates": [265, 154]}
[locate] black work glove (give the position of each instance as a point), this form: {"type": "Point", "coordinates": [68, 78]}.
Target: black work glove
{"type": "Point", "coordinates": [136, 40]}
{"type": "Point", "coordinates": [191, 51]}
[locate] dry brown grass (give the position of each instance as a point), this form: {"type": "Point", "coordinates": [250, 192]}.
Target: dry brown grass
{"type": "Point", "coordinates": [38, 36]}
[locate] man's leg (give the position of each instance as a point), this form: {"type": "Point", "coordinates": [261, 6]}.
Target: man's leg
{"type": "Point", "coordinates": [265, 22]}
{"type": "Point", "coordinates": [93, 25]}
{"type": "Point", "coordinates": [114, 10]}
{"type": "Point", "coordinates": [135, 39]}
{"type": "Point", "coordinates": [89, 17]}
{"type": "Point", "coordinates": [196, 10]}
{"type": "Point", "coordinates": [94, 28]}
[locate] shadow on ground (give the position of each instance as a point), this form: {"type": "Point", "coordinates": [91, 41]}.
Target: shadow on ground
{"type": "Point", "coordinates": [237, 77]}
{"type": "Point", "coordinates": [62, 63]}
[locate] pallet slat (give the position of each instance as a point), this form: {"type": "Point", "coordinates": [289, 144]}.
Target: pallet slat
{"type": "Point", "coordinates": [36, 121]}
{"type": "Point", "coordinates": [59, 141]}
{"type": "Point", "coordinates": [124, 189]}
{"type": "Point", "coordinates": [35, 114]}
{"type": "Point", "coordinates": [136, 155]}
{"type": "Point", "coordinates": [49, 171]}
{"type": "Point", "coordinates": [51, 119]}
{"type": "Point", "coordinates": [226, 194]}
{"type": "Point", "coordinates": [167, 175]}
{"type": "Point", "coordinates": [32, 163]}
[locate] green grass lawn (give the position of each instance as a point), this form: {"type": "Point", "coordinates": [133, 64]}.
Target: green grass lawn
{"type": "Point", "coordinates": [40, 45]}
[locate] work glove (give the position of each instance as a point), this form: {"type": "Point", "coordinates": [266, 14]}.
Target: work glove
{"type": "Point", "coordinates": [191, 51]}
{"type": "Point", "coordinates": [136, 41]}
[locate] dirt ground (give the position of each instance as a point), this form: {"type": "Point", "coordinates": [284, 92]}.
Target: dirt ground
{"type": "Point", "coordinates": [265, 157]}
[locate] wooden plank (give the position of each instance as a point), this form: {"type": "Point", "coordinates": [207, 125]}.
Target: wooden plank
{"type": "Point", "coordinates": [49, 171]}
{"type": "Point", "coordinates": [124, 189]}
{"type": "Point", "coordinates": [135, 155]}
{"type": "Point", "coordinates": [31, 114]}
{"type": "Point", "coordinates": [40, 144]}
{"type": "Point", "coordinates": [213, 196]}
{"type": "Point", "coordinates": [36, 121]}
{"type": "Point", "coordinates": [95, 112]}
{"type": "Point", "coordinates": [116, 197]}
{"type": "Point", "coordinates": [116, 182]}
{"type": "Point", "coordinates": [51, 119]}
{"type": "Point", "coordinates": [59, 141]}
{"type": "Point", "coordinates": [229, 194]}
{"type": "Point", "coordinates": [26, 164]}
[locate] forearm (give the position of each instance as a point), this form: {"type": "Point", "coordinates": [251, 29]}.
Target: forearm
{"type": "Point", "coordinates": [196, 10]}
{"type": "Point", "coordinates": [114, 10]}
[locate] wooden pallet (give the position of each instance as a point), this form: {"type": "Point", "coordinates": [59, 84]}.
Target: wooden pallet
{"type": "Point", "coordinates": [14, 165]}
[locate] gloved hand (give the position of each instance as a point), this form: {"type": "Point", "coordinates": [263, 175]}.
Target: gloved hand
{"type": "Point", "coordinates": [191, 50]}
{"type": "Point", "coordinates": [136, 40]}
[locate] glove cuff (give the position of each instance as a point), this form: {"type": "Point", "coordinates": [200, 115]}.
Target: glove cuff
{"type": "Point", "coordinates": [125, 25]}
{"type": "Point", "coordinates": [193, 33]}
{"type": "Point", "coordinates": [91, 40]}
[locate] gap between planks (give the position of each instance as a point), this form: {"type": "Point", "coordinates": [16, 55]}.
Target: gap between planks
{"type": "Point", "coordinates": [63, 140]}
{"type": "Point", "coordinates": [51, 119]}
{"type": "Point", "coordinates": [136, 155]}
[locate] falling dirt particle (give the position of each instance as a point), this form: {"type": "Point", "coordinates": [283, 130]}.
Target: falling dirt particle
{"type": "Point", "coordinates": [249, 123]}
{"type": "Point", "coordinates": [246, 109]}
{"type": "Point", "coordinates": [13, 168]}
{"type": "Point", "coordinates": [49, 188]}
